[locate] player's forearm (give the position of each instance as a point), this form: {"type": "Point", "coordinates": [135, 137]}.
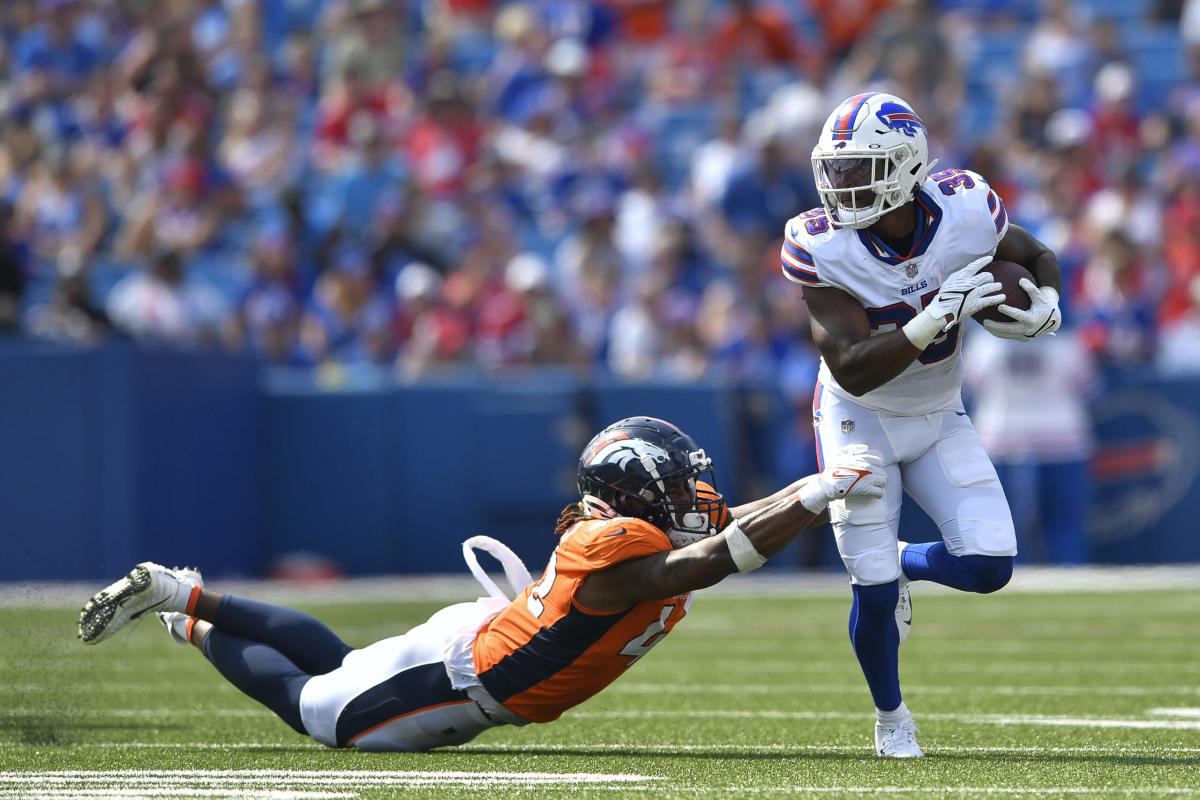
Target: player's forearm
{"type": "Point", "coordinates": [774, 526]}
{"type": "Point", "coordinates": [870, 363]}
{"type": "Point", "coordinates": [697, 566]}
{"type": "Point", "coordinates": [1046, 271]}
{"type": "Point", "coordinates": [768, 529]}
{"type": "Point", "coordinates": [1024, 248]}
{"type": "Point", "coordinates": [740, 512]}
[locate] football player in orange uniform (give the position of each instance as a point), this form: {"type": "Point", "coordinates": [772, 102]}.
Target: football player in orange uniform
{"type": "Point", "coordinates": [648, 529]}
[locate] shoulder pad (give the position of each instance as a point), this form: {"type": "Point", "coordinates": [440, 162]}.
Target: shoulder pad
{"type": "Point", "coordinates": [596, 544]}
{"type": "Point", "coordinates": [973, 195]}
{"type": "Point", "coordinates": [802, 235]}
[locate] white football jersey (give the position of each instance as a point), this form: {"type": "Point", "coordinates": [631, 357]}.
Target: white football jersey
{"type": "Point", "coordinates": [960, 219]}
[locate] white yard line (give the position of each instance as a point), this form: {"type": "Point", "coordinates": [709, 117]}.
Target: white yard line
{"type": "Point", "coordinates": [150, 793]}
{"type": "Point", "coordinates": [649, 749]}
{"type": "Point", "coordinates": [1191, 713]}
{"type": "Point", "coordinates": [266, 784]}
{"type": "Point", "coordinates": [624, 687]}
{"type": "Point", "coordinates": [927, 791]}
{"type": "Point", "coordinates": [970, 719]}
{"type": "Point", "coordinates": [305, 776]}
{"type": "Point", "coordinates": [310, 746]}
{"type": "Point", "coordinates": [1191, 723]}
{"type": "Point", "coordinates": [276, 784]}
{"type": "Point", "coordinates": [667, 749]}
{"type": "Point", "coordinates": [135, 713]}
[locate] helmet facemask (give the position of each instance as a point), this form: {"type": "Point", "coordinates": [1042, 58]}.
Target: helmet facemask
{"type": "Point", "coordinates": [697, 516]}
{"type": "Point", "coordinates": [857, 188]}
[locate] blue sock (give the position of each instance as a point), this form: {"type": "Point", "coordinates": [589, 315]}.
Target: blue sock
{"type": "Point", "coordinates": [931, 561]}
{"type": "Point", "coordinates": [877, 641]}
{"type": "Point", "coordinates": [306, 641]}
{"type": "Point", "coordinates": [261, 671]}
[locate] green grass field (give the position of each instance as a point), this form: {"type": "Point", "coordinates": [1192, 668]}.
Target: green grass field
{"type": "Point", "coordinates": [1019, 694]}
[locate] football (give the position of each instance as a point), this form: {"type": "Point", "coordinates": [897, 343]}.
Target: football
{"type": "Point", "coordinates": [1008, 274]}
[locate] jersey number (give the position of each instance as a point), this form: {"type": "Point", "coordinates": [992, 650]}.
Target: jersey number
{"type": "Point", "coordinates": [899, 313]}
{"type": "Point", "coordinates": [542, 587]}
{"type": "Point", "coordinates": [815, 221]}
{"type": "Point", "coordinates": [639, 645]}
{"type": "Point", "coordinates": [950, 179]}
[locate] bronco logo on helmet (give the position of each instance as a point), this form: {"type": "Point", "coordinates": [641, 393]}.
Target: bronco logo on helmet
{"type": "Point", "coordinates": [899, 118]}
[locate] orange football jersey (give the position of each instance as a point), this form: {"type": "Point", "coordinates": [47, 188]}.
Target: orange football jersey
{"type": "Point", "coordinates": [547, 652]}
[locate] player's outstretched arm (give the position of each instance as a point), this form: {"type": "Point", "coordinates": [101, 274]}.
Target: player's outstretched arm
{"type": "Point", "coordinates": [745, 544]}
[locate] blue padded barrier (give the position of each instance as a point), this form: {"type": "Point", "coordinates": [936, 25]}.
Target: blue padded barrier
{"type": "Point", "coordinates": [117, 455]}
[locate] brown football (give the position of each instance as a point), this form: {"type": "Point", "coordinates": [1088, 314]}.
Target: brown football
{"type": "Point", "coordinates": [1009, 274]}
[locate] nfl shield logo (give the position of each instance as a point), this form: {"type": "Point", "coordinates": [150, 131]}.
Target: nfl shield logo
{"type": "Point", "coordinates": [847, 425]}
{"type": "Point", "coordinates": [911, 271]}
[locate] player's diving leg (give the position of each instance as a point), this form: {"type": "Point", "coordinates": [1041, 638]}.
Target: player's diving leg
{"type": "Point", "coordinates": [956, 484]}
{"type": "Point", "coordinates": [267, 651]}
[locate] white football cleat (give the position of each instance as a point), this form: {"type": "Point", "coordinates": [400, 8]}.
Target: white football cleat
{"type": "Point", "coordinates": [898, 740]}
{"type": "Point", "coordinates": [189, 575]}
{"type": "Point", "coordinates": [147, 587]}
{"type": "Point", "coordinates": [904, 604]}
{"type": "Point", "coordinates": [176, 622]}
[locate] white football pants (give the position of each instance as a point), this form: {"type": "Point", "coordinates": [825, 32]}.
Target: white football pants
{"type": "Point", "coordinates": [938, 459]}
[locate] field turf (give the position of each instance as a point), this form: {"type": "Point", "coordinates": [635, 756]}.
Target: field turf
{"type": "Point", "coordinates": [1082, 694]}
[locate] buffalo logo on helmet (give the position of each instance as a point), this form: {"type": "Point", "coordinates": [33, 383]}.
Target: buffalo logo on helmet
{"type": "Point", "coordinates": [899, 118]}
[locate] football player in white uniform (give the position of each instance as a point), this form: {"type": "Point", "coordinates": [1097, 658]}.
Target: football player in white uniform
{"type": "Point", "coordinates": [891, 266]}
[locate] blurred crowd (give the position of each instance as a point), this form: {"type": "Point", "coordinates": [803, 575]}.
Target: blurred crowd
{"type": "Point", "coordinates": [404, 186]}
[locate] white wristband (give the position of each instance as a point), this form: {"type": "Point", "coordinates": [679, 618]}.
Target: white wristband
{"type": "Point", "coordinates": [745, 557]}
{"type": "Point", "coordinates": [812, 496]}
{"type": "Point", "coordinates": [923, 329]}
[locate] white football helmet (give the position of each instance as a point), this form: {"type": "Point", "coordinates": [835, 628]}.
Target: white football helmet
{"type": "Point", "coordinates": [872, 155]}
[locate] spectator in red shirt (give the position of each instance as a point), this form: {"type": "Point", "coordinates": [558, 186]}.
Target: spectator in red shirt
{"type": "Point", "coordinates": [444, 141]}
{"type": "Point", "coordinates": [350, 95]}
{"type": "Point", "coordinates": [1115, 121]}
{"type": "Point", "coordinates": [1181, 249]}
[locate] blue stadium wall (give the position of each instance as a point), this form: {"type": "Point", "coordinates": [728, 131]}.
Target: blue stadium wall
{"type": "Point", "coordinates": [110, 456]}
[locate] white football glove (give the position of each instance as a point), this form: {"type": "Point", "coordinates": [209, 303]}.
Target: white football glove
{"type": "Point", "coordinates": [966, 292]}
{"type": "Point", "coordinates": [854, 472]}
{"type": "Point", "coordinates": [1042, 317]}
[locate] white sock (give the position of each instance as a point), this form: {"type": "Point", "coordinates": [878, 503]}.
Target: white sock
{"type": "Point", "coordinates": [898, 714]}
{"type": "Point", "coordinates": [183, 594]}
